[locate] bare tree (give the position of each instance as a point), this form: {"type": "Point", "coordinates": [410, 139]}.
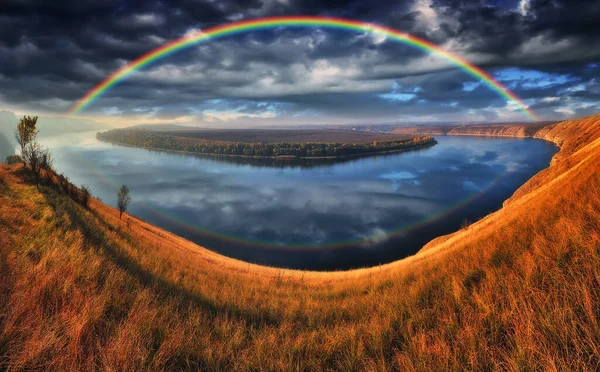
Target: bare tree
{"type": "Point", "coordinates": [123, 199]}
{"type": "Point", "coordinates": [39, 159]}
{"type": "Point", "coordinates": [25, 134]}
{"type": "Point", "coordinates": [32, 155]}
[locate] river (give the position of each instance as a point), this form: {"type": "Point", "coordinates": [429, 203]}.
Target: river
{"type": "Point", "coordinates": [318, 216]}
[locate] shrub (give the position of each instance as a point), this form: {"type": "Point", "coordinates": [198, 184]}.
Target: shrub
{"type": "Point", "coordinates": [14, 159]}
{"type": "Point", "coordinates": [123, 199]}
{"type": "Point", "coordinates": [64, 183]}
{"type": "Point", "coordinates": [25, 135]}
{"type": "Point", "coordinates": [85, 195]}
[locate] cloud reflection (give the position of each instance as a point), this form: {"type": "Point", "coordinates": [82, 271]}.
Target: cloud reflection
{"type": "Point", "coordinates": [366, 199]}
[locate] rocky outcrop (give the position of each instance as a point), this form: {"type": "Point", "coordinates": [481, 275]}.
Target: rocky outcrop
{"type": "Point", "coordinates": [572, 136]}
{"type": "Point", "coordinates": [510, 130]}
{"type": "Point", "coordinates": [515, 130]}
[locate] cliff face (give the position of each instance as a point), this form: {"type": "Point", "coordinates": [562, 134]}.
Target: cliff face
{"type": "Point", "coordinates": [573, 137]}
{"type": "Point", "coordinates": [518, 131]}
{"type": "Point", "coordinates": [524, 130]}
{"type": "Point", "coordinates": [424, 130]}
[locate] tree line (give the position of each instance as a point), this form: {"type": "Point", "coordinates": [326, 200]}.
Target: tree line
{"type": "Point", "coordinates": [161, 141]}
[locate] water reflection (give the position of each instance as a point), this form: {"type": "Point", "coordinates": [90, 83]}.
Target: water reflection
{"type": "Point", "coordinates": [288, 162]}
{"type": "Point", "coordinates": [339, 215]}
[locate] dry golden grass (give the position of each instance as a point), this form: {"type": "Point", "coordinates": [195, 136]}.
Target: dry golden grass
{"type": "Point", "coordinates": [518, 290]}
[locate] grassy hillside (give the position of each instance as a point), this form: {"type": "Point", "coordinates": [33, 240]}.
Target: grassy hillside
{"type": "Point", "coordinates": [518, 290]}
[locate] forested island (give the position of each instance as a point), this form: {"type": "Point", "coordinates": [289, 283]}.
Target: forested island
{"type": "Point", "coordinates": [301, 150]}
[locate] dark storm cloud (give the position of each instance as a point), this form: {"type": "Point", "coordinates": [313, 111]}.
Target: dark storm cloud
{"type": "Point", "coordinates": [51, 53]}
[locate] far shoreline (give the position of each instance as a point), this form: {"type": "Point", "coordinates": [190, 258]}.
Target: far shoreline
{"type": "Point", "coordinates": [280, 158]}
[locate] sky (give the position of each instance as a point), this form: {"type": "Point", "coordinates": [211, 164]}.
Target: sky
{"type": "Point", "coordinates": [546, 51]}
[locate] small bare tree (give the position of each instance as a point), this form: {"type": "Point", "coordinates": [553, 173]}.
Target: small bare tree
{"type": "Point", "coordinates": [123, 199]}
{"type": "Point", "coordinates": [46, 162]}
{"type": "Point", "coordinates": [25, 134]}
{"type": "Point", "coordinates": [39, 159]}
{"type": "Point", "coordinates": [33, 156]}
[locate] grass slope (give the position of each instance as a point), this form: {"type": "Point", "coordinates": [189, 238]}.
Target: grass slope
{"type": "Point", "coordinates": [518, 290]}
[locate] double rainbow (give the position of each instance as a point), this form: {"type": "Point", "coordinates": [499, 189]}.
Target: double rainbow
{"type": "Point", "coordinates": [297, 21]}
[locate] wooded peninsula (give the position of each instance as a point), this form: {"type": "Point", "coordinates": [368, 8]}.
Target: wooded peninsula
{"type": "Point", "coordinates": [302, 150]}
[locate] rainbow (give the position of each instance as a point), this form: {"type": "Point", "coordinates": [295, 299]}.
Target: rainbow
{"type": "Point", "coordinates": [296, 21]}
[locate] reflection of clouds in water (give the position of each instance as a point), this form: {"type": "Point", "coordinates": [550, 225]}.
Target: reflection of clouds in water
{"type": "Point", "coordinates": [404, 185]}
{"type": "Point", "coordinates": [512, 156]}
{"type": "Point", "coordinates": [324, 209]}
{"type": "Point", "coordinates": [308, 214]}
{"type": "Point", "coordinates": [366, 198]}
{"type": "Point", "coordinates": [402, 175]}
{"type": "Point", "coordinates": [486, 156]}
{"type": "Point", "coordinates": [400, 180]}
{"type": "Point", "coordinates": [111, 161]}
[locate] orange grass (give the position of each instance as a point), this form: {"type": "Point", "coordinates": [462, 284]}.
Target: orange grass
{"type": "Point", "coordinates": [518, 290]}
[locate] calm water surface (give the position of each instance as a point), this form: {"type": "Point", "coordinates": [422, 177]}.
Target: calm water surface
{"type": "Point", "coordinates": [321, 217]}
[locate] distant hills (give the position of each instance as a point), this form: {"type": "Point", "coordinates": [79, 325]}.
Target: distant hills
{"type": "Point", "coordinates": [519, 130]}
{"type": "Point", "coordinates": [160, 127]}
{"type": "Point", "coordinates": [8, 124]}
{"type": "Point", "coordinates": [6, 147]}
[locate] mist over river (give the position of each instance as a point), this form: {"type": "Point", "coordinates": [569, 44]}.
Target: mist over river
{"type": "Point", "coordinates": [318, 216]}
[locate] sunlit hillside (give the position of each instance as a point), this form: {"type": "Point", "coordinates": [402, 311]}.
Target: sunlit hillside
{"type": "Point", "coordinates": [518, 290]}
